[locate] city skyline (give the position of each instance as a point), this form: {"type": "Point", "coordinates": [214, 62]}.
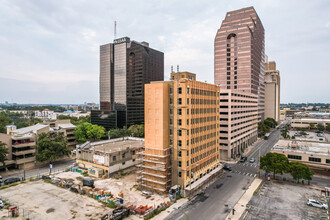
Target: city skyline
{"type": "Point", "coordinates": [50, 52]}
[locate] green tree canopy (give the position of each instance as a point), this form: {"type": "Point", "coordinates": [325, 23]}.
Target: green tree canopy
{"type": "Point", "coordinates": [4, 120]}
{"type": "Point", "coordinates": [137, 130]}
{"type": "Point", "coordinates": [87, 131]}
{"type": "Point", "coordinates": [3, 153]}
{"type": "Point", "coordinates": [328, 127]}
{"type": "Point", "coordinates": [300, 171]}
{"type": "Point", "coordinates": [274, 162]}
{"type": "Point", "coordinates": [270, 122]}
{"type": "Point", "coordinates": [263, 128]}
{"type": "Point", "coordinates": [51, 146]}
{"type": "Point", "coordinates": [285, 132]}
{"type": "Point", "coordinates": [320, 127]}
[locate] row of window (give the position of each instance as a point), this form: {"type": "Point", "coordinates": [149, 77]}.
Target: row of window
{"type": "Point", "coordinates": [202, 129]}
{"type": "Point", "coordinates": [202, 92]}
{"type": "Point", "coordinates": [312, 159]}
{"type": "Point", "coordinates": [203, 102]}
{"type": "Point", "coordinates": [203, 137]}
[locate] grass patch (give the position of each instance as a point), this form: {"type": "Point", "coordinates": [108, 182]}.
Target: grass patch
{"type": "Point", "coordinates": [123, 174]}
{"type": "Point", "coordinates": [67, 170]}
{"type": "Point", "coordinates": [47, 181]}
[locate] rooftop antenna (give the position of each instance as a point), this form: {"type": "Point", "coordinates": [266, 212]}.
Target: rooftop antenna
{"type": "Point", "coordinates": [115, 30]}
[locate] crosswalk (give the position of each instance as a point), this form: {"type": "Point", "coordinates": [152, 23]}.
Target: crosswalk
{"type": "Point", "coordinates": [243, 173]}
{"type": "Point", "coordinates": [248, 165]}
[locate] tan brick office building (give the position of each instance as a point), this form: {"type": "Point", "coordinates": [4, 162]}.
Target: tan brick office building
{"type": "Point", "coordinates": [181, 132]}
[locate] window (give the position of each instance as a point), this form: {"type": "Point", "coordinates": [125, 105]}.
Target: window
{"type": "Point", "coordinates": [114, 158]}
{"type": "Point", "coordinates": [180, 153]}
{"type": "Point", "coordinates": [133, 160]}
{"type": "Point", "coordinates": [187, 121]}
{"type": "Point", "coordinates": [179, 132]}
{"type": "Point", "coordinates": [179, 111]}
{"type": "Point", "coordinates": [179, 163]}
{"type": "Point", "coordinates": [187, 111]}
{"type": "Point", "coordinates": [180, 90]}
{"type": "Point", "coordinates": [187, 90]}
{"type": "Point", "coordinates": [123, 155]}
{"type": "Point", "coordinates": [133, 152]}
{"type": "Point", "coordinates": [187, 152]}
{"type": "Point", "coordinates": [179, 143]}
{"type": "Point", "coordinates": [314, 159]}
{"type": "Point", "coordinates": [180, 101]}
{"type": "Point", "coordinates": [179, 174]}
{"type": "Point", "coordinates": [327, 160]}
{"type": "Point", "coordinates": [187, 163]}
{"type": "Point", "coordinates": [171, 101]}
{"type": "Point", "coordinates": [187, 101]}
{"type": "Point", "coordinates": [187, 132]}
{"type": "Point", "coordinates": [295, 157]}
{"type": "Point", "coordinates": [187, 173]}
{"type": "Point", "coordinates": [187, 142]}
{"type": "Point", "coordinates": [180, 122]}
{"type": "Point", "coordinates": [123, 163]}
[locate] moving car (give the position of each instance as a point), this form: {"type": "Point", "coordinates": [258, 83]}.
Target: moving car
{"type": "Point", "coordinates": [11, 180]}
{"type": "Point", "coordinates": [252, 160]}
{"type": "Point", "coordinates": [227, 167]}
{"type": "Point", "coordinates": [243, 159]}
{"type": "Point", "coordinates": [1, 204]}
{"type": "Point", "coordinates": [315, 203]}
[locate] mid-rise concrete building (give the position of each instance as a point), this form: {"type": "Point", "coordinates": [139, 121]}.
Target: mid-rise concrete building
{"type": "Point", "coordinates": [125, 67]}
{"type": "Point", "coordinates": [22, 143]}
{"type": "Point", "coordinates": [272, 91]}
{"type": "Point", "coordinates": [181, 133]}
{"type": "Point", "coordinates": [45, 114]}
{"type": "Point", "coordinates": [238, 123]}
{"type": "Point", "coordinates": [239, 55]}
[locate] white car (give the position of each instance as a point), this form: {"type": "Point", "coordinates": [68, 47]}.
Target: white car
{"type": "Point", "coordinates": [1, 204]}
{"type": "Point", "coordinates": [315, 203]}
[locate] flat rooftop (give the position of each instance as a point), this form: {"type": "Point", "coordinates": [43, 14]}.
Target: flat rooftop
{"type": "Point", "coordinates": [311, 120]}
{"type": "Point", "coordinates": [114, 145]}
{"type": "Point", "coordinates": [305, 147]}
{"type": "Point", "coordinates": [29, 129]}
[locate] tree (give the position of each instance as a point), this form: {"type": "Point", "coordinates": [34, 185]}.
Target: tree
{"type": "Point", "coordinates": [320, 127]}
{"type": "Point", "coordinates": [263, 128]}
{"type": "Point", "coordinates": [4, 121]}
{"type": "Point", "coordinates": [51, 146]}
{"type": "Point", "coordinates": [274, 162]}
{"type": "Point", "coordinates": [136, 130]}
{"type": "Point", "coordinates": [117, 133]}
{"type": "Point", "coordinates": [312, 125]}
{"type": "Point", "coordinates": [87, 131]}
{"type": "Point", "coordinates": [270, 122]}
{"type": "Point", "coordinates": [300, 171]}
{"type": "Point", "coordinates": [285, 132]}
{"type": "Point", "coordinates": [328, 127]}
{"type": "Point", "coordinates": [3, 153]}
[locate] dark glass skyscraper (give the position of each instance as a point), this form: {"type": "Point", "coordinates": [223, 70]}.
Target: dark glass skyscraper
{"type": "Point", "coordinates": [125, 66]}
{"type": "Point", "coordinates": [239, 53]}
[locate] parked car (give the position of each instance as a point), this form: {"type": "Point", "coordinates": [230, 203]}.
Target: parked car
{"type": "Point", "coordinates": [0, 180]}
{"type": "Point", "coordinates": [243, 159]}
{"type": "Point", "coordinates": [227, 167]}
{"type": "Point", "coordinates": [252, 160]}
{"type": "Point", "coordinates": [45, 177]}
{"type": "Point", "coordinates": [315, 203]}
{"type": "Point", "coordinates": [297, 134]}
{"type": "Point", "coordinates": [11, 180]}
{"type": "Point", "coordinates": [1, 204]}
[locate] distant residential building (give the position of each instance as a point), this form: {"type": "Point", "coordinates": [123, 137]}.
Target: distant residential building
{"type": "Point", "coordinates": [181, 133]}
{"type": "Point", "coordinates": [313, 154]}
{"type": "Point", "coordinates": [125, 67]}
{"type": "Point", "coordinates": [110, 155]}
{"type": "Point", "coordinates": [238, 123]}
{"type": "Point", "coordinates": [45, 114]}
{"type": "Point", "coordinates": [70, 113]}
{"type": "Point", "coordinates": [239, 55]}
{"type": "Point", "coordinates": [272, 91]}
{"type": "Point", "coordinates": [22, 143]}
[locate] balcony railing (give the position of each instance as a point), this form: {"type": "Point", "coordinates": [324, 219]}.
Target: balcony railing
{"type": "Point", "coordinates": [25, 144]}
{"type": "Point", "coordinates": [23, 152]}
{"type": "Point", "coordinates": [25, 160]}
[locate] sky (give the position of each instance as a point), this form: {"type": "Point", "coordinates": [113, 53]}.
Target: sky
{"type": "Point", "coordinates": [49, 50]}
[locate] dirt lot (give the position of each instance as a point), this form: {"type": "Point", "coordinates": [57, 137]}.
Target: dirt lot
{"type": "Point", "coordinates": [46, 201]}
{"type": "Point", "coordinates": [125, 183]}
{"type": "Point", "coordinates": [284, 201]}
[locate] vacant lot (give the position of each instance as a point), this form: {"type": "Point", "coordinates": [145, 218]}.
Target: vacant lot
{"type": "Point", "coordinates": [47, 201]}
{"type": "Point", "coordinates": [284, 201]}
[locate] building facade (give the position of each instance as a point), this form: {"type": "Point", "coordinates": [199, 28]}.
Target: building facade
{"type": "Point", "coordinates": [125, 67]}
{"type": "Point", "coordinates": [238, 122]}
{"type": "Point", "coordinates": [182, 137]}
{"type": "Point", "coordinates": [22, 143]}
{"type": "Point", "coordinates": [239, 55]}
{"type": "Point", "coordinates": [111, 155]}
{"type": "Point", "coordinates": [272, 91]}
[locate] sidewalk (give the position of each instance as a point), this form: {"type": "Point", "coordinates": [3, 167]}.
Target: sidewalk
{"type": "Point", "coordinates": [244, 200]}
{"type": "Point", "coordinates": [170, 209]}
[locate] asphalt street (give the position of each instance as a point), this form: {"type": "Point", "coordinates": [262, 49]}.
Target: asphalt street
{"type": "Point", "coordinates": [224, 193]}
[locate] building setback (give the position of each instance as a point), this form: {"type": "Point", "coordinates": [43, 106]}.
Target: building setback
{"type": "Point", "coordinates": [125, 67]}
{"type": "Point", "coordinates": [239, 54]}
{"type": "Point", "coordinates": [272, 91]}
{"type": "Point", "coordinates": [182, 137]}
{"type": "Point", "coordinates": [238, 122]}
